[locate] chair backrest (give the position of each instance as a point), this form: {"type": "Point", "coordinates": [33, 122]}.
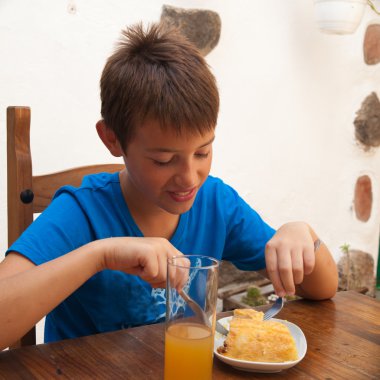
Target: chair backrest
{"type": "Point", "coordinates": [28, 194]}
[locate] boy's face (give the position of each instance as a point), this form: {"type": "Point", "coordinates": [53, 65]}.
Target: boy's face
{"type": "Point", "coordinates": [166, 170]}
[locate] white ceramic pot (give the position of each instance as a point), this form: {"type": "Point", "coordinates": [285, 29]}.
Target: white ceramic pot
{"type": "Point", "coordinates": [339, 16]}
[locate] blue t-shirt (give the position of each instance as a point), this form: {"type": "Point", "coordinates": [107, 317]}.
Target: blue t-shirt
{"type": "Point", "coordinates": [219, 224]}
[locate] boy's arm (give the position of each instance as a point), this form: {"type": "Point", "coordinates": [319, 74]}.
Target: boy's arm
{"type": "Point", "coordinates": [322, 282]}
{"type": "Point", "coordinates": [294, 267]}
{"type": "Point", "coordinates": [29, 292]}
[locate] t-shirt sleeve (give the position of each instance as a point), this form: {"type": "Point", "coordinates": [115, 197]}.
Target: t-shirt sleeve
{"type": "Point", "coordinates": [61, 228]}
{"type": "Point", "coordinates": [247, 233]}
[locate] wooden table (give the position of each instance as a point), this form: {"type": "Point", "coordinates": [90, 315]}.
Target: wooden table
{"type": "Point", "coordinates": [343, 336]}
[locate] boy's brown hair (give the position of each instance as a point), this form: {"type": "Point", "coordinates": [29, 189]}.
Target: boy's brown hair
{"type": "Point", "coordinates": [157, 74]}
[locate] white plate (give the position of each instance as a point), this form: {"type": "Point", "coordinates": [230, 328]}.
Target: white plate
{"type": "Point", "coordinates": [251, 366]}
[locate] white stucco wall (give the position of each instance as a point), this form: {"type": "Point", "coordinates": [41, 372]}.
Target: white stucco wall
{"type": "Point", "coordinates": [285, 137]}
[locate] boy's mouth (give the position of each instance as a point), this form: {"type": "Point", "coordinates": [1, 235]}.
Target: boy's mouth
{"type": "Point", "coordinates": [182, 196]}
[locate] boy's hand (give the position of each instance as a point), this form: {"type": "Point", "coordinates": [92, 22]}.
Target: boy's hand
{"type": "Point", "coordinates": [289, 255]}
{"type": "Point", "coordinates": [144, 257]}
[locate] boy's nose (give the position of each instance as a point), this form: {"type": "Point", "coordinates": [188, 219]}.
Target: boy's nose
{"type": "Point", "coordinates": [186, 176]}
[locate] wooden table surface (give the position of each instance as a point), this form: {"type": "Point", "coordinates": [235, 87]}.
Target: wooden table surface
{"type": "Point", "coordinates": [343, 337]}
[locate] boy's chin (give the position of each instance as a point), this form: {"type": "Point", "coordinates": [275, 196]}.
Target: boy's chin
{"type": "Point", "coordinates": [179, 209]}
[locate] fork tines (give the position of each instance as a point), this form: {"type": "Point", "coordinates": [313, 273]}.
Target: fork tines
{"type": "Point", "coordinates": [274, 309]}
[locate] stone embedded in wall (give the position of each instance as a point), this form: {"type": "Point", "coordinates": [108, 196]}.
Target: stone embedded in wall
{"type": "Point", "coordinates": [371, 45]}
{"type": "Point", "coordinates": [201, 27]}
{"type": "Point", "coordinates": [367, 122]}
{"type": "Point", "coordinates": [356, 271]}
{"type": "Point", "coordinates": [363, 198]}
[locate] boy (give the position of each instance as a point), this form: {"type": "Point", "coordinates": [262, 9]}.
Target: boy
{"type": "Point", "coordinates": [95, 260]}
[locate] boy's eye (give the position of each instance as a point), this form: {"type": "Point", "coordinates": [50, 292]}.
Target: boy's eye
{"type": "Point", "coordinates": [199, 155]}
{"type": "Point", "coordinates": [202, 155]}
{"type": "Point", "coordinates": [161, 163]}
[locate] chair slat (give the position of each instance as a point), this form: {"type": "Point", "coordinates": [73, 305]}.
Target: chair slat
{"type": "Point", "coordinates": [44, 186]}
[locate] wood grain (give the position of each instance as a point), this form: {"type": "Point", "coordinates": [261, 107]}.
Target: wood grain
{"type": "Point", "coordinates": [342, 335]}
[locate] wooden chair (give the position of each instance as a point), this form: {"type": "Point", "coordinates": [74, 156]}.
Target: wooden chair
{"type": "Point", "coordinates": [28, 194]}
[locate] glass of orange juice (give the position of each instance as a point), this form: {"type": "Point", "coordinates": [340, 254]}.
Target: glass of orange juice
{"type": "Point", "coordinates": [189, 339]}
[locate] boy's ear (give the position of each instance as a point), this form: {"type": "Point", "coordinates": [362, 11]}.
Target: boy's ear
{"type": "Point", "coordinates": [109, 139]}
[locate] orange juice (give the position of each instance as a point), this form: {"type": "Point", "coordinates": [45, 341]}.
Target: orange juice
{"type": "Point", "coordinates": [188, 352]}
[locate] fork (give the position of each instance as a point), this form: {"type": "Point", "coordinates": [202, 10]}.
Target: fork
{"type": "Point", "coordinates": [270, 313]}
{"type": "Point", "coordinates": [274, 309]}
{"type": "Point", "coordinates": [199, 312]}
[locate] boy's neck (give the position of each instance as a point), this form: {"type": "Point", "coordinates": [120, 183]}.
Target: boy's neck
{"type": "Point", "coordinates": [151, 220]}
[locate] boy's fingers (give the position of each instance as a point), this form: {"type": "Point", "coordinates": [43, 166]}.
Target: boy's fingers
{"type": "Point", "coordinates": [157, 262]}
{"type": "Point", "coordinates": [285, 270]}
{"type": "Point", "coordinates": [181, 273]}
{"type": "Point", "coordinates": [159, 285]}
{"type": "Point", "coordinates": [154, 267]}
{"type": "Point", "coordinates": [175, 269]}
{"type": "Point", "coordinates": [297, 265]}
{"type": "Point", "coordinates": [162, 267]}
{"type": "Point", "coordinates": [272, 270]}
{"type": "Point", "coordinates": [151, 270]}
